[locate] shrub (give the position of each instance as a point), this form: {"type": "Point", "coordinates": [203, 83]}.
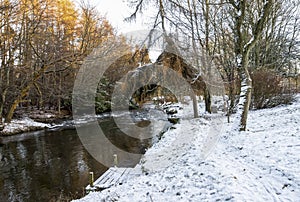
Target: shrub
{"type": "Point", "coordinates": [267, 90]}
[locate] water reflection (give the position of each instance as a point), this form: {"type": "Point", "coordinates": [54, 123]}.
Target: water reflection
{"type": "Point", "coordinates": [48, 167]}
{"type": "Point", "coordinates": [54, 166]}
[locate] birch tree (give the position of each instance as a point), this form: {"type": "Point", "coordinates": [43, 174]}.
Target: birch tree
{"type": "Point", "coordinates": [244, 43]}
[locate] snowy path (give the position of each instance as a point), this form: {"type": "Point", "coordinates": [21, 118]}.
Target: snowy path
{"type": "Point", "coordinates": [261, 164]}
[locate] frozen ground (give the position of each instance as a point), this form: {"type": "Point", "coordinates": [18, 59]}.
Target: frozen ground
{"type": "Point", "coordinates": [261, 164]}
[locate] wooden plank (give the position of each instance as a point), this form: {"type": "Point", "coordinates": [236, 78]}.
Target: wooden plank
{"type": "Point", "coordinates": [125, 175]}
{"type": "Point", "coordinates": [105, 178]}
{"type": "Point", "coordinates": [113, 176]}
{"type": "Point", "coordinates": [121, 176]}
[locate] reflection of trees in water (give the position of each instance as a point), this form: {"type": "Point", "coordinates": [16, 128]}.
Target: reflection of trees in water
{"type": "Point", "coordinates": [45, 168]}
{"type": "Point", "coordinates": [124, 142]}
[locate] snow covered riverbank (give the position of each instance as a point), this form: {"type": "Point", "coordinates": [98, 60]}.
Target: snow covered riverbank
{"type": "Point", "coordinates": [261, 164]}
{"type": "Point", "coordinates": [22, 125]}
{"type": "Point", "coordinates": [29, 121]}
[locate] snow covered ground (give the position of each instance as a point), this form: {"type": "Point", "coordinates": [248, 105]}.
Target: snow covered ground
{"type": "Point", "coordinates": [23, 125]}
{"type": "Point", "coordinates": [261, 164]}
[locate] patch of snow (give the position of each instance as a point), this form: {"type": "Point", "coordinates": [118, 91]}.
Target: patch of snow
{"type": "Point", "coordinates": [154, 54]}
{"type": "Point", "coordinates": [249, 42]}
{"type": "Point", "coordinates": [239, 60]}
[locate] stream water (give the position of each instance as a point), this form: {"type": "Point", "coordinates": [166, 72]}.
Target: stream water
{"type": "Point", "coordinates": [53, 165]}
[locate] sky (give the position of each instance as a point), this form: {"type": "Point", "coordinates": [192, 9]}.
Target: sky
{"type": "Point", "coordinates": [115, 11]}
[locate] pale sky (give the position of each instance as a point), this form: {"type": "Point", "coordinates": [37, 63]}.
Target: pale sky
{"type": "Point", "coordinates": [116, 11]}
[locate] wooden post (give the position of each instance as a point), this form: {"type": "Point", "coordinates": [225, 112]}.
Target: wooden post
{"type": "Point", "coordinates": [115, 160]}
{"type": "Point", "coordinates": [91, 179]}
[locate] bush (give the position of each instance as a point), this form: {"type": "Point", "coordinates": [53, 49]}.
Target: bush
{"type": "Point", "coordinates": [267, 90]}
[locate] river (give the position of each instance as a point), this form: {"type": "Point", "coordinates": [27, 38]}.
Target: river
{"type": "Point", "coordinates": [53, 165]}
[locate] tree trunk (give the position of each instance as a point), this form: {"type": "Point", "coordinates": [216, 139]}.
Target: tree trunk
{"type": "Point", "coordinates": [242, 52]}
{"type": "Point", "coordinates": [3, 98]}
{"type": "Point", "coordinates": [245, 93]}
{"type": "Point", "coordinates": [195, 105]}
{"type": "Point", "coordinates": [1, 122]}
{"type": "Point", "coordinates": [16, 102]}
{"type": "Point", "coordinates": [232, 100]}
{"type": "Point", "coordinates": [59, 94]}
{"type": "Point", "coordinates": [207, 98]}
{"type": "Point", "coordinates": [245, 100]}
{"type": "Point", "coordinates": [40, 99]}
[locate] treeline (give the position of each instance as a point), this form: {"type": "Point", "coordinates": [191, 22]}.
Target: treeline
{"type": "Point", "coordinates": [42, 45]}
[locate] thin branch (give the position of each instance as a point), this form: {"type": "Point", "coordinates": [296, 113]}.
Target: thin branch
{"type": "Point", "coordinates": [137, 9]}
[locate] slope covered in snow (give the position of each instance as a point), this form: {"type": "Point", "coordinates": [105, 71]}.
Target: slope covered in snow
{"type": "Point", "coordinates": [261, 164]}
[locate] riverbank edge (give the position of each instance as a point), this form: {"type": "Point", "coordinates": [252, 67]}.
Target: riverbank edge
{"type": "Point", "coordinates": [46, 121]}
{"type": "Point", "coordinates": [26, 124]}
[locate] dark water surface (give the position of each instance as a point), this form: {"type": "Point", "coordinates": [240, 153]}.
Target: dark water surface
{"type": "Point", "coordinates": [52, 165]}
